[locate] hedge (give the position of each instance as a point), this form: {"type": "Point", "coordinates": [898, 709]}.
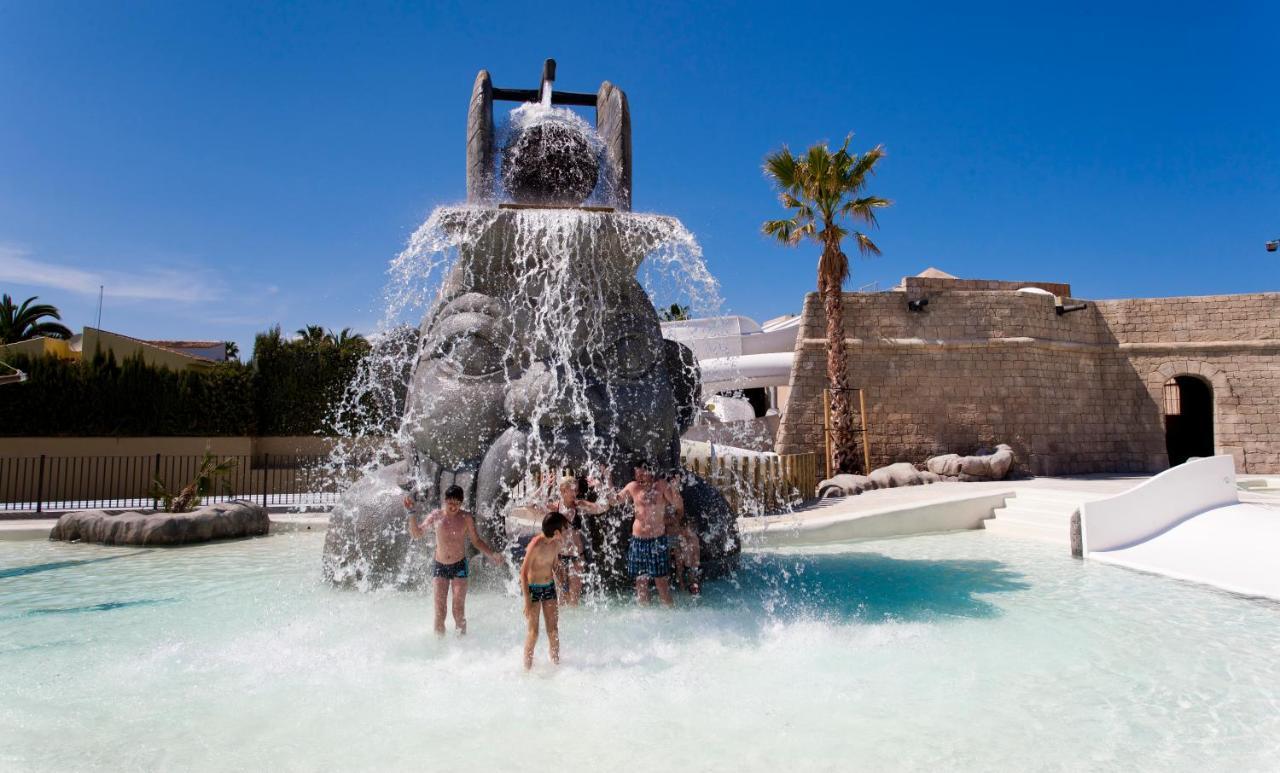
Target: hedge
{"type": "Point", "coordinates": [99, 397]}
{"type": "Point", "coordinates": [290, 388]}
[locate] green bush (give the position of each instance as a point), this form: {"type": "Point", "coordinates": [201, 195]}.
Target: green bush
{"type": "Point", "coordinates": [291, 387]}
{"type": "Point", "coordinates": [100, 397]}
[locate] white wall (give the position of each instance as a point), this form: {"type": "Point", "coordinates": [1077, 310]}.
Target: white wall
{"type": "Point", "coordinates": [1156, 505]}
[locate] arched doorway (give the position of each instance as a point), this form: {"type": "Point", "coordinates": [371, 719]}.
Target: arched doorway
{"type": "Point", "coordinates": [1188, 418]}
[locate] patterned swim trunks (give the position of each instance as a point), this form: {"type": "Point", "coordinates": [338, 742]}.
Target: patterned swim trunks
{"type": "Point", "coordinates": [649, 557]}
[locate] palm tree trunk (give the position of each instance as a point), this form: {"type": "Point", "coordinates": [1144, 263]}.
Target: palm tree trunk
{"type": "Point", "coordinates": [842, 442]}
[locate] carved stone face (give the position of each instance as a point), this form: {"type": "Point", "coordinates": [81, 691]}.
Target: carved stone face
{"type": "Point", "coordinates": [557, 362]}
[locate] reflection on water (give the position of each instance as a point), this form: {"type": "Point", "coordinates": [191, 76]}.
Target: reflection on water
{"type": "Point", "coordinates": [867, 586]}
{"type": "Point", "coordinates": [21, 571]}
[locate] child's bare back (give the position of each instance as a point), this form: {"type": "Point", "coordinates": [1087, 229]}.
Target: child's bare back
{"type": "Point", "coordinates": [538, 585]}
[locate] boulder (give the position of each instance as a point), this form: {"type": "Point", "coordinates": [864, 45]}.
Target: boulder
{"type": "Point", "coordinates": [993, 466]}
{"type": "Point", "coordinates": [895, 475]}
{"type": "Point", "coordinates": [550, 162]}
{"type": "Point", "coordinates": [226, 520]}
{"type": "Point", "coordinates": [844, 486]}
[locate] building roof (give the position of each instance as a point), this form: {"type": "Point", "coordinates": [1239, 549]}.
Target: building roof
{"type": "Point", "coordinates": [935, 273]}
{"type": "Point", "coordinates": [187, 344]}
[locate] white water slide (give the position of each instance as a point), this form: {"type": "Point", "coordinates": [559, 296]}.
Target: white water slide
{"type": "Point", "coordinates": [736, 352]}
{"type": "Point", "coordinates": [1188, 523]}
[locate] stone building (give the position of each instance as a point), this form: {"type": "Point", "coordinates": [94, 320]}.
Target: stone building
{"type": "Point", "coordinates": [1074, 386]}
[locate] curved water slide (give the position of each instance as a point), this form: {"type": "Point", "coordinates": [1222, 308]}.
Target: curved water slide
{"type": "Point", "coordinates": [735, 352]}
{"type": "Point", "coordinates": [1188, 523]}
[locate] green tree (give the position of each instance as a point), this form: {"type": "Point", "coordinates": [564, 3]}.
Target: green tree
{"type": "Point", "coordinates": [824, 190]}
{"type": "Point", "coordinates": [233, 350]}
{"type": "Point", "coordinates": [312, 334]}
{"type": "Point", "coordinates": [20, 323]}
{"type": "Point", "coordinates": [347, 342]}
{"type": "Point", "coordinates": [675, 313]}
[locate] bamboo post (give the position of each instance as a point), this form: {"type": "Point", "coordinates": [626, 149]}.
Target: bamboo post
{"type": "Point", "coordinates": [826, 427]}
{"type": "Point", "coordinates": [866, 439]}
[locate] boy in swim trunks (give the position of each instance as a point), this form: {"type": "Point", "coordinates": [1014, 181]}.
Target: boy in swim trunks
{"type": "Point", "coordinates": [649, 555]}
{"type": "Point", "coordinates": [538, 584]}
{"type": "Point", "coordinates": [454, 526]}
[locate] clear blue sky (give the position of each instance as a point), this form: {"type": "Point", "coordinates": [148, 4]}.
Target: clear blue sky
{"type": "Point", "coordinates": [223, 167]}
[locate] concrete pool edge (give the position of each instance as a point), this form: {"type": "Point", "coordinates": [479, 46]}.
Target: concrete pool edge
{"type": "Point", "coordinates": [817, 526]}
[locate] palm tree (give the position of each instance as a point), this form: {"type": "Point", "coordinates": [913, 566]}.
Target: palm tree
{"type": "Point", "coordinates": [19, 323]}
{"type": "Point", "coordinates": [347, 342]}
{"type": "Point", "coordinates": [232, 349]}
{"type": "Point", "coordinates": [676, 313]}
{"type": "Point", "coordinates": [823, 190]}
{"type": "Point", "coordinates": [312, 334]}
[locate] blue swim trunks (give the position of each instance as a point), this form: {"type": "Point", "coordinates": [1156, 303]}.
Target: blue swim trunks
{"type": "Point", "coordinates": [649, 557]}
{"type": "Point", "coordinates": [542, 591]}
{"type": "Point", "coordinates": [456, 571]}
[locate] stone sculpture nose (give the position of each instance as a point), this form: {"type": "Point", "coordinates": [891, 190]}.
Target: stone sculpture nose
{"type": "Point", "coordinates": [546, 395]}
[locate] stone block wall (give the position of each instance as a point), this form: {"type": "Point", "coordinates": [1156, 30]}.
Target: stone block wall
{"type": "Point", "coordinates": [1074, 393]}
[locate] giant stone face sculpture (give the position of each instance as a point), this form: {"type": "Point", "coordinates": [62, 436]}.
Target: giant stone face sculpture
{"type": "Point", "coordinates": [541, 353]}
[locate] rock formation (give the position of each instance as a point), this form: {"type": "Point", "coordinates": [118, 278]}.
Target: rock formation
{"type": "Point", "coordinates": [228, 520]}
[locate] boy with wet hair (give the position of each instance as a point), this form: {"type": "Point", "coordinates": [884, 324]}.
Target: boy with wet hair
{"type": "Point", "coordinates": [649, 554]}
{"type": "Point", "coordinates": [454, 526]}
{"type": "Point", "coordinates": [538, 585]}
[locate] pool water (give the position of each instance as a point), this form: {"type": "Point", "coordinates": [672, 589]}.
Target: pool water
{"type": "Point", "coordinates": [955, 651]}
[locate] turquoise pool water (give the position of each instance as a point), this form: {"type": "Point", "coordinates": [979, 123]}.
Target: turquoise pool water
{"type": "Point", "coordinates": [957, 651]}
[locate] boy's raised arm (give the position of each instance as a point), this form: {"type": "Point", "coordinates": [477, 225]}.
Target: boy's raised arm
{"type": "Point", "coordinates": [414, 531]}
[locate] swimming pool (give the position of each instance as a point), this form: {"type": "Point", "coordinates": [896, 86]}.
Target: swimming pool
{"type": "Point", "coordinates": [953, 651]}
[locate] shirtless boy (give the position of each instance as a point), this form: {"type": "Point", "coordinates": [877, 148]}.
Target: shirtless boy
{"type": "Point", "coordinates": [538, 584]}
{"type": "Point", "coordinates": [572, 565]}
{"type": "Point", "coordinates": [650, 555]}
{"type": "Point", "coordinates": [454, 526]}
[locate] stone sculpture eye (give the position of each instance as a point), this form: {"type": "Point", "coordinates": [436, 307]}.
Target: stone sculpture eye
{"type": "Point", "coordinates": [469, 354]}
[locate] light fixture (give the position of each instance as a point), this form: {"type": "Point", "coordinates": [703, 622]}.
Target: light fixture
{"type": "Point", "coordinates": [918, 304]}
{"type": "Point", "coordinates": [1273, 245]}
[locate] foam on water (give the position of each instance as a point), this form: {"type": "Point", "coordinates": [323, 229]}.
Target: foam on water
{"type": "Point", "coordinates": [957, 651]}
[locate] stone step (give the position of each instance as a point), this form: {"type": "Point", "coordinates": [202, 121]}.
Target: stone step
{"type": "Point", "coordinates": [1059, 534]}
{"type": "Point", "coordinates": [1012, 512]}
{"type": "Point", "coordinates": [1052, 503]}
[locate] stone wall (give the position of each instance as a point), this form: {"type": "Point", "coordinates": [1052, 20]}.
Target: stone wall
{"type": "Point", "coordinates": [1075, 393]}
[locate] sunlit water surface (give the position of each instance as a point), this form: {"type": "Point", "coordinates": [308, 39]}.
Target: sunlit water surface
{"type": "Point", "coordinates": [959, 651]}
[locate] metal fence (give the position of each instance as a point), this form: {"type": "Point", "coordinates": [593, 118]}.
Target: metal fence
{"type": "Point", "coordinates": [40, 483]}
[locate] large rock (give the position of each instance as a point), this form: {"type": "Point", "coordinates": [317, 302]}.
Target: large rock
{"type": "Point", "coordinates": [228, 520]}
{"type": "Point", "coordinates": [845, 485]}
{"type": "Point", "coordinates": [550, 162]}
{"type": "Point", "coordinates": [895, 475]}
{"type": "Point", "coordinates": [993, 466]}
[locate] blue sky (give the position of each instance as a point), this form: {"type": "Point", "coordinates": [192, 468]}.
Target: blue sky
{"type": "Point", "coordinates": [223, 167]}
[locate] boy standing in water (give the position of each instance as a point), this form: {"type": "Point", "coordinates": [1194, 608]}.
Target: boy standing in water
{"type": "Point", "coordinates": [454, 526]}
{"type": "Point", "coordinates": [538, 585]}
{"type": "Point", "coordinates": [649, 555]}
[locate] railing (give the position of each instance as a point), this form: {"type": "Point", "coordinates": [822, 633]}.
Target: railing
{"type": "Point", "coordinates": [52, 483]}
{"type": "Point", "coordinates": [759, 485]}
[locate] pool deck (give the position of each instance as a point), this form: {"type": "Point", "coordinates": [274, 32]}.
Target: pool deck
{"type": "Point", "coordinates": [875, 514]}
{"type": "Point", "coordinates": [934, 507]}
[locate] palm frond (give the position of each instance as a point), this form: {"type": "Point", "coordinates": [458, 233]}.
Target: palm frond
{"type": "Point", "coordinates": [865, 245]}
